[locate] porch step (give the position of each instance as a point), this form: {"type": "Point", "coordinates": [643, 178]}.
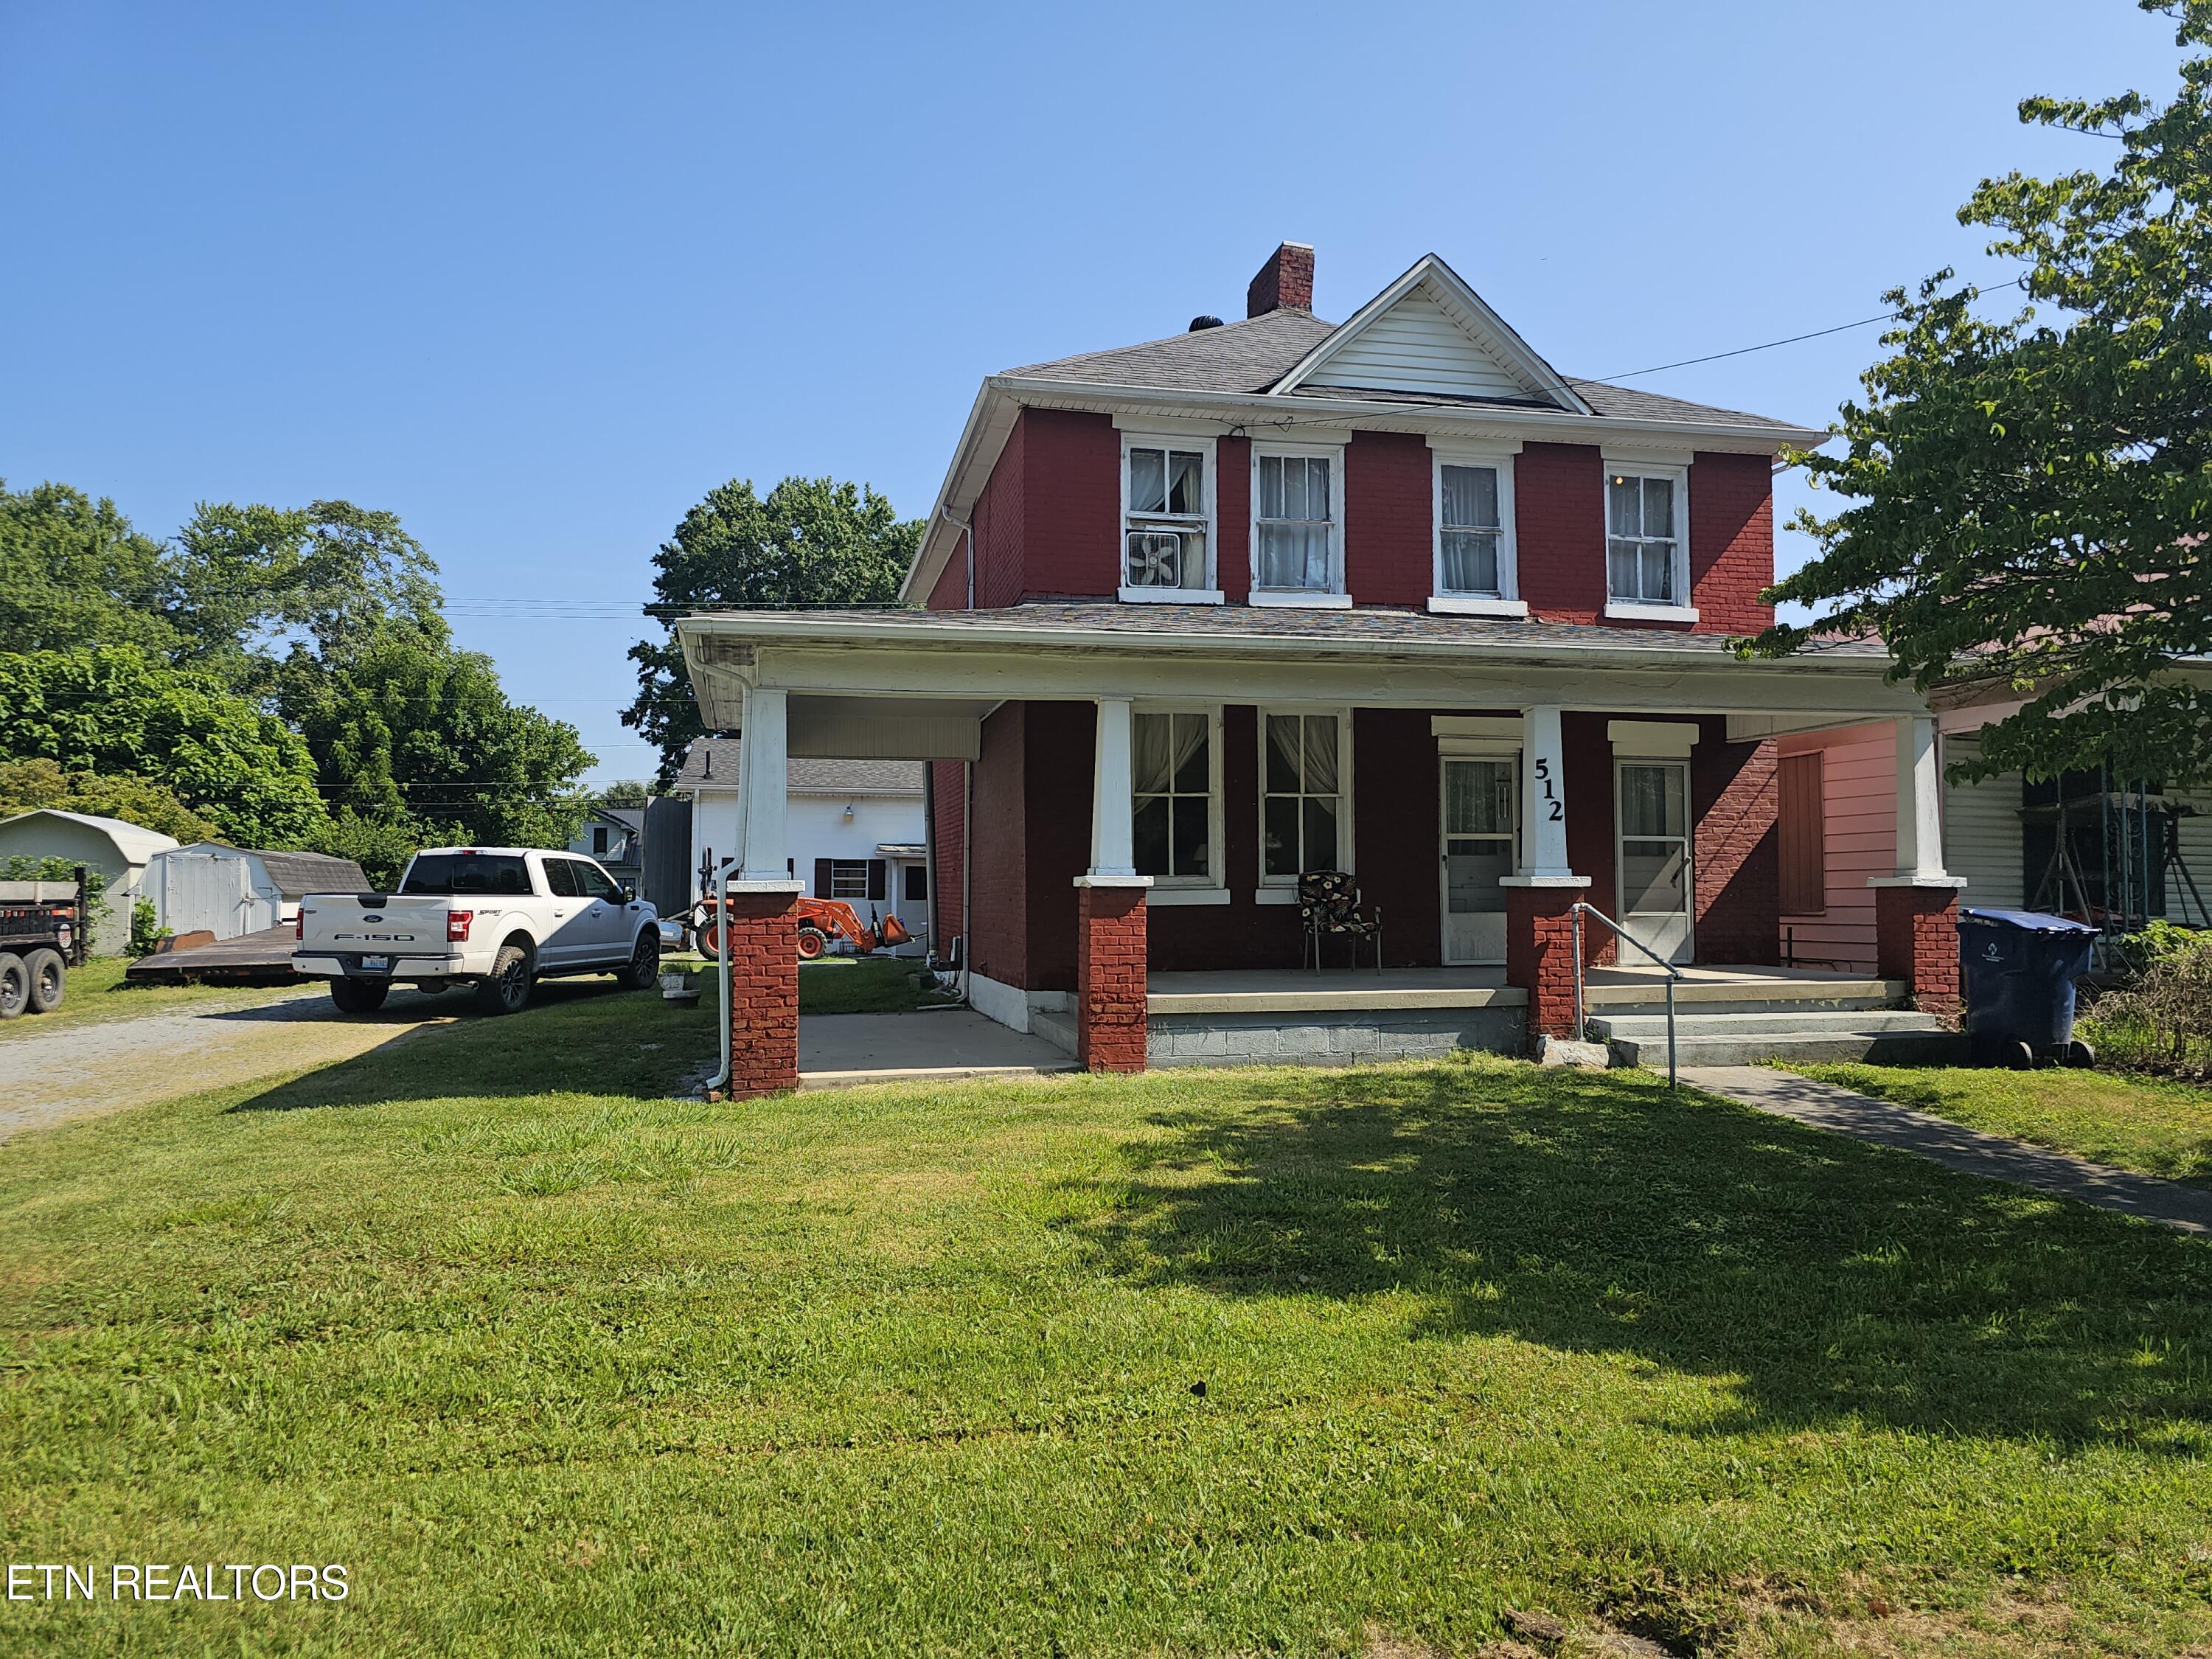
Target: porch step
{"type": "Point", "coordinates": [1893, 1036]}
{"type": "Point", "coordinates": [1740, 997]}
{"type": "Point", "coordinates": [1057, 1029]}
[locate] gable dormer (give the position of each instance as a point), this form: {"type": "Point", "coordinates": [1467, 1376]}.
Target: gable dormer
{"type": "Point", "coordinates": [1429, 335]}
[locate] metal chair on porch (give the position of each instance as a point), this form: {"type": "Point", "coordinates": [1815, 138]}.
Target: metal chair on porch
{"type": "Point", "coordinates": [1330, 905]}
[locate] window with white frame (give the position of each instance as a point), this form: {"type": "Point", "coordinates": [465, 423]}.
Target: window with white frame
{"type": "Point", "coordinates": [1475, 528]}
{"type": "Point", "coordinates": [1295, 518]}
{"type": "Point", "coordinates": [1173, 782]}
{"type": "Point", "coordinates": [1643, 535]}
{"type": "Point", "coordinates": [1167, 516]}
{"type": "Point", "coordinates": [1304, 795]}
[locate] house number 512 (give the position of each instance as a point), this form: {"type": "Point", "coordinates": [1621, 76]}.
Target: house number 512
{"type": "Point", "coordinates": [1557, 808]}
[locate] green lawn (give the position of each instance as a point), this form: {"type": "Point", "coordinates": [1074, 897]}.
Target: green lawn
{"type": "Point", "coordinates": [2145, 1124]}
{"type": "Point", "coordinates": [1193, 1364]}
{"type": "Point", "coordinates": [97, 993]}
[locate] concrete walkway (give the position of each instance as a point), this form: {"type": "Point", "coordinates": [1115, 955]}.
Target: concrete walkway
{"type": "Point", "coordinates": [1883, 1123]}
{"type": "Point", "coordinates": [840, 1051]}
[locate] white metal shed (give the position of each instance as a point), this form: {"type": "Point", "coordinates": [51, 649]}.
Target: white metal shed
{"type": "Point", "coordinates": [231, 891]}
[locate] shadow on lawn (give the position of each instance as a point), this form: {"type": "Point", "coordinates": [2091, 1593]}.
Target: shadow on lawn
{"type": "Point", "coordinates": [577, 1036]}
{"type": "Point", "coordinates": [1598, 1214]}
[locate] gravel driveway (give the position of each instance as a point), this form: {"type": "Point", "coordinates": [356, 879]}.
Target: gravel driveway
{"type": "Point", "coordinates": [90, 1069]}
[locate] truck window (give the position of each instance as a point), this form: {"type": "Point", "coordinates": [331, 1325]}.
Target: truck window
{"type": "Point", "coordinates": [453, 874]}
{"type": "Point", "coordinates": [595, 882]}
{"type": "Point", "coordinates": [560, 879]}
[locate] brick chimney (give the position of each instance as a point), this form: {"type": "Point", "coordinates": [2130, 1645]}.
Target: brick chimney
{"type": "Point", "coordinates": [1285, 282]}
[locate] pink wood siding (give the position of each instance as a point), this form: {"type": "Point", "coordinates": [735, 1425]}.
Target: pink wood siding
{"type": "Point", "coordinates": [1859, 786]}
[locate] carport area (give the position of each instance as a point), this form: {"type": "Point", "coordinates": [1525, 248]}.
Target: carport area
{"type": "Point", "coordinates": [842, 1051]}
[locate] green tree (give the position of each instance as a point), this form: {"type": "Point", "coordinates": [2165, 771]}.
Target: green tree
{"type": "Point", "coordinates": [73, 572]}
{"type": "Point", "coordinates": [264, 594]}
{"type": "Point", "coordinates": [26, 785]}
{"type": "Point", "coordinates": [808, 542]}
{"type": "Point", "coordinates": [2032, 498]}
{"type": "Point", "coordinates": [114, 712]}
{"type": "Point", "coordinates": [404, 734]}
{"type": "Point", "coordinates": [627, 793]}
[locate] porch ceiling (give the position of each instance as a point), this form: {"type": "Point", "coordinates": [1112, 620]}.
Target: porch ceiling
{"type": "Point", "coordinates": [909, 671]}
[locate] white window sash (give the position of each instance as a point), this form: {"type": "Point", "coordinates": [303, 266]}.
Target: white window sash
{"type": "Point", "coordinates": [1678, 545]}
{"type": "Point", "coordinates": [1217, 878]}
{"type": "Point", "coordinates": [1346, 855]}
{"type": "Point", "coordinates": [1500, 461]}
{"type": "Point", "coordinates": [1204, 521]}
{"type": "Point", "coordinates": [1334, 454]}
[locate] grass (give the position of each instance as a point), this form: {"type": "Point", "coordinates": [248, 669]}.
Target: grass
{"type": "Point", "coordinates": [861, 985]}
{"type": "Point", "coordinates": [97, 993]}
{"type": "Point", "coordinates": [1192, 1363]}
{"type": "Point", "coordinates": [2147, 1125]}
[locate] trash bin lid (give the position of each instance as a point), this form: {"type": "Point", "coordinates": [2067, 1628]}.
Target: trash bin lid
{"type": "Point", "coordinates": [2030, 921]}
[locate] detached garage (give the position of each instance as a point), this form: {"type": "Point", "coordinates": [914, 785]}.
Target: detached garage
{"type": "Point", "coordinates": [233, 890]}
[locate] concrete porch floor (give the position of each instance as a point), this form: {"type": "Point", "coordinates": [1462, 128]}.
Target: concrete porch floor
{"type": "Point", "coordinates": [843, 1051]}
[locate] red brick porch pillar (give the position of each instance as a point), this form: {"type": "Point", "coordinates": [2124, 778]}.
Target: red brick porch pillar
{"type": "Point", "coordinates": [1540, 954]}
{"type": "Point", "coordinates": [1915, 928]}
{"type": "Point", "coordinates": [1110, 975]}
{"type": "Point", "coordinates": [760, 941]}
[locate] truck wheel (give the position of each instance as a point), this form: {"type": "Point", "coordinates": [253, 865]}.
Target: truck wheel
{"type": "Point", "coordinates": [811, 944]}
{"type": "Point", "coordinates": [14, 985]}
{"type": "Point", "coordinates": [358, 996]}
{"type": "Point", "coordinates": [506, 989]}
{"type": "Point", "coordinates": [644, 963]}
{"type": "Point", "coordinates": [47, 978]}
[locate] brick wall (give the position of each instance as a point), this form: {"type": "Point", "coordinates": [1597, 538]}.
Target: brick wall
{"type": "Point", "coordinates": [1558, 531]}
{"type": "Point", "coordinates": [1586, 758]}
{"type": "Point", "coordinates": [1539, 956]}
{"type": "Point", "coordinates": [1388, 557]}
{"type": "Point", "coordinates": [1232, 509]}
{"type": "Point", "coordinates": [760, 935]}
{"type": "Point", "coordinates": [1395, 823]}
{"type": "Point", "coordinates": [1731, 542]}
{"type": "Point", "coordinates": [999, 858]}
{"type": "Point", "coordinates": [1000, 518]}
{"type": "Point", "coordinates": [1738, 893]}
{"type": "Point", "coordinates": [1110, 1019]}
{"type": "Point", "coordinates": [1060, 739]}
{"type": "Point", "coordinates": [1917, 940]}
{"type": "Point", "coordinates": [947, 791]}
{"type": "Point", "coordinates": [1071, 505]}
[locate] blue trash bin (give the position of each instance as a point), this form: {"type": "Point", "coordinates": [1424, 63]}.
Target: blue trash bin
{"type": "Point", "coordinates": [2020, 968]}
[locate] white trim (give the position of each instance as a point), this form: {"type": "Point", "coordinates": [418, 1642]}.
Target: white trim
{"type": "Point", "coordinates": [1113, 881]}
{"type": "Point", "coordinates": [1485, 329]}
{"type": "Point", "coordinates": [1276, 895]}
{"type": "Point", "coordinates": [1634, 457]}
{"type": "Point", "coordinates": [1917, 881]}
{"type": "Point", "coordinates": [1170, 897]}
{"type": "Point", "coordinates": [1186, 431]}
{"type": "Point", "coordinates": [1216, 854]}
{"type": "Point", "coordinates": [1172, 595]}
{"type": "Point", "coordinates": [1206, 520]}
{"type": "Point", "coordinates": [1468, 749]}
{"type": "Point", "coordinates": [994, 999]}
{"type": "Point", "coordinates": [1518, 880]}
{"type": "Point", "coordinates": [1443, 452]}
{"type": "Point", "coordinates": [1499, 728]}
{"type": "Point", "coordinates": [1337, 594]}
{"type": "Point", "coordinates": [1471, 605]}
{"type": "Point", "coordinates": [1631, 464]}
{"type": "Point", "coordinates": [1652, 739]}
{"type": "Point", "coordinates": [1346, 854]}
{"type": "Point", "coordinates": [1688, 949]}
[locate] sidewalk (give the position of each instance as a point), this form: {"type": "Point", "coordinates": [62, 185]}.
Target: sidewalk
{"type": "Point", "coordinates": [1826, 1106]}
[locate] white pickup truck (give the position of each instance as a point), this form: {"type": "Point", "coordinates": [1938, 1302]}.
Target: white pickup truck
{"type": "Point", "coordinates": [498, 918]}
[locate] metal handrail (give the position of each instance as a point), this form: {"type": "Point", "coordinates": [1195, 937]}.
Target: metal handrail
{"type": "Point", "coordinates": [1619, 932]}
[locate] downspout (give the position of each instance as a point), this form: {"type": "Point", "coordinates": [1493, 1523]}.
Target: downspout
{"type": "Point", "coordinates": [720, 895]}
{"type": "Point", "coordinates": [967, 882]}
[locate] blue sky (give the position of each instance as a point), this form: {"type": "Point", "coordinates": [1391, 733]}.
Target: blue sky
{"type": "Point", "coordinates": [537, 277]}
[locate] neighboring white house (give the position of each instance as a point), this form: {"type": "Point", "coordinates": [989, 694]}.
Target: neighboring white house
{"type": "Point", "coordinates": [230, 890]}
{"type": "Point", "coordinates": [855, 828]}
{"type": "Point", "coordinates": [115, 848]}
{"type": "Point", "coordinates": [614, 838]}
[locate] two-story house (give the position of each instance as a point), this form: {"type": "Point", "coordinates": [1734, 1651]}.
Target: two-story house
{"type": "Point", "coordinates": [1393, 597]}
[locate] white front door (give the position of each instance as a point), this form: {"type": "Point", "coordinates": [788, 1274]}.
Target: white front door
{"type": "Point", "coordinates": [1653, 867]}
{"type": "Point", "coordinates": [1480, 820]}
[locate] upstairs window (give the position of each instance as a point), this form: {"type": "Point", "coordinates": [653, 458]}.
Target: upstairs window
{"type": "Point", "coordinates": [1166, 547]}
{"type": "Point", "coordinates": [1295, 546]}
{"type": "Point", "coordinates": [1644, 540]}
{"type": "Point", "coordinates": [1470, 528]}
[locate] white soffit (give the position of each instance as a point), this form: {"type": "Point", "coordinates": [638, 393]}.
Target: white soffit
{"type": "Point", "coordinates": [1652, 739]}
{"type": "Point", "coordinates": [1429, 333]}
{"type": "Point", "coordinates": [1474, 726]}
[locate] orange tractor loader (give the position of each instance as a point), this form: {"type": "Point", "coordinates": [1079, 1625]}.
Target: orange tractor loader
{"type": "Point", "coordinates": [820, 920]}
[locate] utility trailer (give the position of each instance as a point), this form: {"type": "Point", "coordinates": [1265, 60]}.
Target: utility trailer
{"type": "Point", "coordinates": [42, 936]}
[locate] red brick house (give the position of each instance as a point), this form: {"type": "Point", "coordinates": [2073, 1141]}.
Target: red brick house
{"type": "Point", "coordinates": [1392, 597]}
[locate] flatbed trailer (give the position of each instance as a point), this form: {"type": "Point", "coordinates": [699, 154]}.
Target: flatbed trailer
{"type": "Point", "coordinates": [42, 936]}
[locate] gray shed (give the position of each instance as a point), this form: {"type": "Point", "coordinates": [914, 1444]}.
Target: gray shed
{"type": "Point", "coordinates": [230, 890]}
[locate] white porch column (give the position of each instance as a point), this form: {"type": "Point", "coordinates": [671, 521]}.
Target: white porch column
{"type": "Point", "coordinates": [764, 783]}
{"type": "Point", "coordinates": [1113, 844]}
{"type": "Point", "coordinates": [1919, 803]}
{"type": "Point", "coordinates": [1543, 797]}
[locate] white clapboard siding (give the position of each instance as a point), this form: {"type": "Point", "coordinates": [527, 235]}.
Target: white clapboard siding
{"type": "Point", "coordinates": [2197, 853]}
{"type": "Point", "coordinates": [1981, 832]}
{"type": "Point", "coordinates": [1415, 347]}
{"type": "Point", "coordinates": [1858, 791]}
